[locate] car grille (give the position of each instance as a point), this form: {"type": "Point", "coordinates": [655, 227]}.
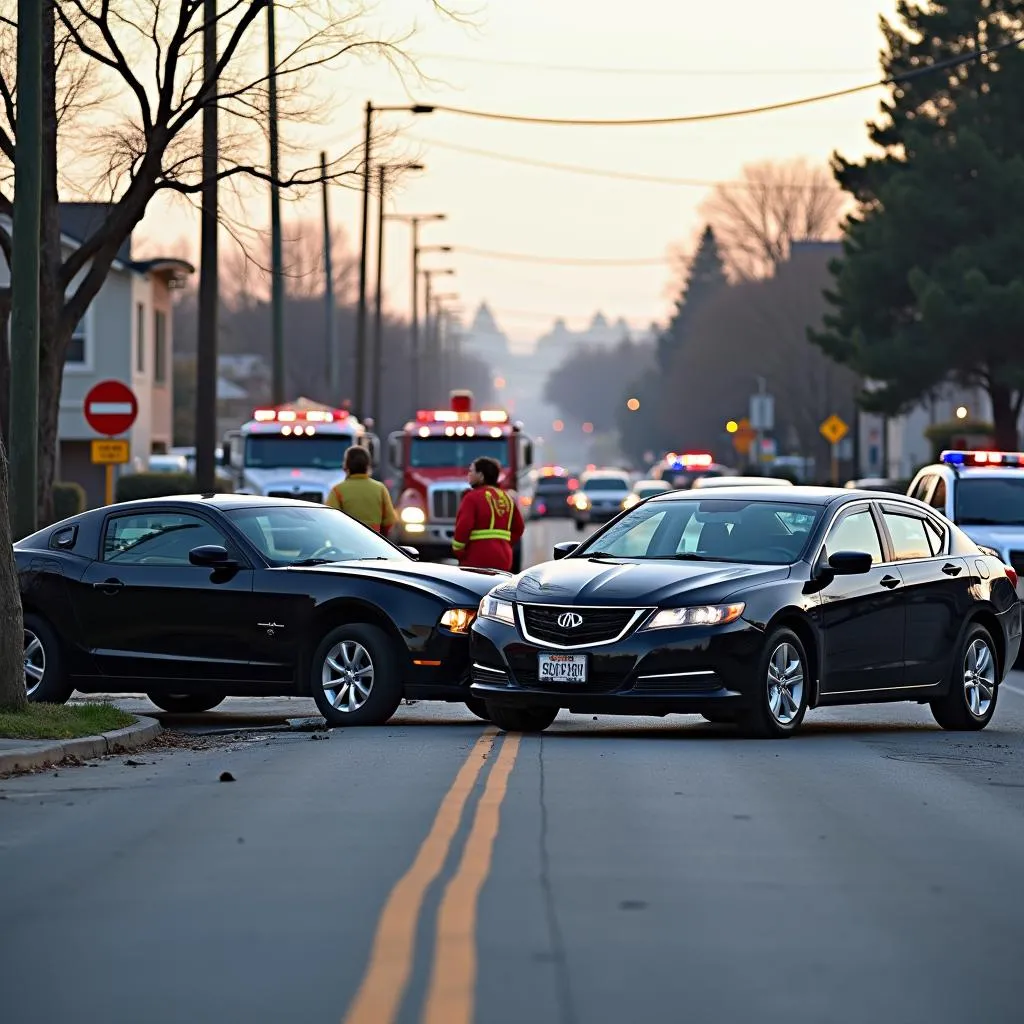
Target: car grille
{"type": "Point", "coordinates": [314, 496]}
{"type": "Point", "coordinates": [1017, 561]}
{"type": "Point", "coordinates": [445, 504]}
{"type": "Point", "coordinates": [599, 625]}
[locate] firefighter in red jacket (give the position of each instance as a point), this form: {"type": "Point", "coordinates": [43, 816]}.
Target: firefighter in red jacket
{"type": "Point", "coordinates": [489, 522]}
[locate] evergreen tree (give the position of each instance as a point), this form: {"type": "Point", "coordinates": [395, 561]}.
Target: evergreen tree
{"type": "Point", "coordinates": [931, 285]}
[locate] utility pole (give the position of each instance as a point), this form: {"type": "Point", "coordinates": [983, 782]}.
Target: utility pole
{"type": "Point", "coordinates": [276, 257]}
{"type": "Point", "coordinates": [330, 341]}
{"type": "Point", "coordinates": [360, 367]}
{"type": "Point", "coordinates": [206, 342]}
{"type": "Point", "coordinates": [427, 327]}
{"type": "Point", "coordinates": [414, 324]}
{"type": "Point", "coordinates": [378, 317]}
{"type": "Point", "coordinates": [433, 369]}
{"type": "Point", "coordinates": [24, 403]}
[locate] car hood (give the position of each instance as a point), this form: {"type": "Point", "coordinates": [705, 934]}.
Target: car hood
{"type": "Point", "coordinates": [452, 583]}
{"type": "Point", "coordinates": [605, 581]}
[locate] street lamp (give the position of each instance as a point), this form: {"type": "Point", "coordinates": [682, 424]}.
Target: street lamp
{"type": "Point", "coordinates": [961, 412]}
{"type": "Point", "coordinates": [633, 404]}
{"type": "Point", "coordinates": [360, 370]}
{"type": "Point", "coordinates": [378, 321]}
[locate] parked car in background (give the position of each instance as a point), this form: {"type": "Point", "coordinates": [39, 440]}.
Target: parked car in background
{"type": "Point", "coordinates": [168, 464]}
{"type": "Point", "coordinates": [600, 496]}
{"type": "Point", "coordinates": [644, 489]}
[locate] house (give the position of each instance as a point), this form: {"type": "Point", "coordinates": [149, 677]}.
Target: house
{"type": "Point", "coordinates": [125, 335]}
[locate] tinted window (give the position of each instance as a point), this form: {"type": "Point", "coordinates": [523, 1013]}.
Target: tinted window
{"type": "Point", "coordinates": [855, 532]}
{"type": "Point", "coordinates": [556, 486]}
{"type": "Point", "coordinates": [992, 501]}
{"type": "Point", "coordinates": [285, 535]}
{"type": "Point", "coordinates": [909, 536]}
{"type": "Point", "coordinates": [732, 530]}
{"type": "Point", "coordinates": [606, 483]}
{"type": "Point", "coordinates": [939, 496]}
{"type": "Point", "coordinates": [439, 452]}
{"type": "Point", "coordinates": [156, 538]}
{"type": "Point", "coordinates": [275, 451]}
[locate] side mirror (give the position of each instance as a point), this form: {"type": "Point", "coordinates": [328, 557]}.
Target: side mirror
{"type": "Point", "coordinates": [850, 563]}
{"type": "Point", "coordinates": [567, 547]}
{"type": "Point", "coordinates": [411, 552]}
{"type": "Point", "coordinates": [395, 442]}
{"type": "Point", "coordinates": [213, 556]}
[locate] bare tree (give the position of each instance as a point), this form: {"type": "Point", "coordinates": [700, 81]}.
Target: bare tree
{"type": "Point", "coordinates": [12, 662]}
{"type": "Point", "coordinates": [775, 204]}
{"type": "Point", "coordinates": [148, 54]}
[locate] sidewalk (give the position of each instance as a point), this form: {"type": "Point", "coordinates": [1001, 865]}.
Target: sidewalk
{"type": "Point", "coordinates": [19, 755]}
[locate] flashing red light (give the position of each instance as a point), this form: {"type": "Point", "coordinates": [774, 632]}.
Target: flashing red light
{"type": "Point", "coordinates": [697, 460]}
{"type": "Point", "coordinates": [286, 415]}
{"type": "Point", "coordinates": [573, 483]}
{"type": "Point", "coordinates": [462, 401]}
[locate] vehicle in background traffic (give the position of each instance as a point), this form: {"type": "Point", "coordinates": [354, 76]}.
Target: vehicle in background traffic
{"type": "Point", "coordinates": [874, 483]}
{"type": "Point", "coordinates": [681, 470]}
{"type": "Point", "coordinates": [750, 607]}
{"type": "Point", "coordinates": [433, 454]}
{"type": "Point", "coordinates": [600, 496]}
{"type": "Point", "coordinates": [193, 599]}
{"type": "Point", "coordinates": [704, 482]}
{"type": "Point", "coordinates": [294, 450]}
{"type": "Point", "coordinates": [552, 492]}
{"type": "Point", "coordinates": [170, 463]}
{"type": "Point", "coordinates": [644, 489]}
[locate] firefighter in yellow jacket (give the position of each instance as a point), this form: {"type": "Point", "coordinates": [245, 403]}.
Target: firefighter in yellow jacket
{"type": "Point", "coordinates": [361, 496]}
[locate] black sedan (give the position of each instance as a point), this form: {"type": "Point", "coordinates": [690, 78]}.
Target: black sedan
{"type": "Point", "coordinates": [193, 599]}
{"type": "Point", "coordinates": [750, 609]}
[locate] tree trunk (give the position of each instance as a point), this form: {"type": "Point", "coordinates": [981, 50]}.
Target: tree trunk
{"type": "Point", "coordinates": [5, 364]}
{"type": "Point", "coordinates": [12, 660]}
{"type": "Point", "coordinates": [1004, 420]}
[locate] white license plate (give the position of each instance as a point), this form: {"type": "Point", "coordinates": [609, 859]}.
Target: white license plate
{"type": "Point", "coordinates": [562, 668]}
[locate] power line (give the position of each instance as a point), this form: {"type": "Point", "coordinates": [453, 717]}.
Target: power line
{"type": "Point", "coordinates": [636, 122]}
{"type": "Point", "coordinates": [565, 261]}
{"type": "Point", "coordinates": [645, 72]}
{"type": "Point", "coordinates": [651, 179]}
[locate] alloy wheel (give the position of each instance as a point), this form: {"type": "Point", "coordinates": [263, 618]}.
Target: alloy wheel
{"type": "Point", "coordinates": [35, 662]}
{"type": "Point", "coordinates": [785, 684]}
{"type": "Point", "coordinates": [979, 677]}
{"type": "Point", "coordinates": [347, 675]}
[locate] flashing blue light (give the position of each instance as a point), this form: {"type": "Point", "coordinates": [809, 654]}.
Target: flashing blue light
{"type": "Point", "coordinates": [953, 458]}
{"type": "Point", "coordinates": [678, 464]}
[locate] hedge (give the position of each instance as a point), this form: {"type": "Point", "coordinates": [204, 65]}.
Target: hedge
{"type": "Point", "coordinates": [68, 500]}
{"type": "Point", "coordinates": [160, 485]}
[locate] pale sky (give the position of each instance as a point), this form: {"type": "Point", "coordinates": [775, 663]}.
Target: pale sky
{"type": "Point", "coordinates": [708, 57]}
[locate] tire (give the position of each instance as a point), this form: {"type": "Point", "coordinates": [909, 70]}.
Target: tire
{"type": "Point", "coordinates": [520, 719]}
{"type": "Point", "coordinates": [357, 652]}
{"type": "Point", "coordinates": [720, 717]}
{"type": "Point", "coordinates": [46, 679]}
{"type": "Point", "coordinates": [771, 716]}
{"type": "Point", "coordinates": [973, 689]}
{"type": "Point", "coordinates": [185, 703]}
{"type": "Point", "coordinates": [479, 707]}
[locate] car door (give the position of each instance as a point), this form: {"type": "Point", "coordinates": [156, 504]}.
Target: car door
{"type": "Point", "coordinates": [147, 613]}
{"type": "Point", "coordinates": [862, 617]}
{"type": "Point", "coordinates": [937, 592]}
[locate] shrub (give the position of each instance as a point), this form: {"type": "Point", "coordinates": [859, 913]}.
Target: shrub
{"type": "Point", "coordinates": [68, 500]}
{"type": "Point", "coordinates": [133, 486]}
{"type": "Point", "coordinates": [976, 434]}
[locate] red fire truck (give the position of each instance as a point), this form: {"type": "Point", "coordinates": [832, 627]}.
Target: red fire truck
{"type": "Point", "coordinates": [433, 453]}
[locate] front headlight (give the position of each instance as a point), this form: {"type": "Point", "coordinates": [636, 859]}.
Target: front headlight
{"type": "Point", "coordinates": [413, 514]}
{"type": "Point", "coordinates": [500, 611]}
{"type": "Point", "coordinates": [458, 620]}
{"type": "Point", "coordinates": [698, 615]}
{"type": "Point", "coordinates": [581, 502]}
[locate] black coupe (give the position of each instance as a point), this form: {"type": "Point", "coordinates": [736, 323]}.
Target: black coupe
{"type": "Point", "coordinates": [750, 609]}
{"type": "Point", "coordinates": [192, 599]}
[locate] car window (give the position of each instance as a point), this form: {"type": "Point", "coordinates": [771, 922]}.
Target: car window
{"type": "Point", "coordinates": [156, 538]}
{"type": "Point", "coordinates": [983, 500]}
{"type": "Point", "coordinates": [855, 532]}
{"type": "Point", "coordinates": [909, 536]}
{"type": "Point", "coordinates": [938, 498]}
{"type": "Point", "coordinates": [606, 483]}
{"type": "Point", "coordinates": [921, 490]}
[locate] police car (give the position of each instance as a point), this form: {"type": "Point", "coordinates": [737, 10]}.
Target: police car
{"type": "Point", "coordinates": [983, 493]}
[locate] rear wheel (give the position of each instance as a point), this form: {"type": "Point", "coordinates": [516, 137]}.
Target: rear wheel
{"type": "Point", "coordinates": [780, 699]}
{"type": "Point", "coordinates": [186, 703]}
{"type": "Point", "coordinates": [46, 680]}
{"type": "Point", "coordinates": [970, 702]}
{"type": "Point", "coordinates": [478, 706]}
{"type": "Point", "coordinates": [520, 719]}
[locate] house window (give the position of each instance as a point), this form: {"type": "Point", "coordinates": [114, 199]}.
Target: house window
{"type": "Point", "coordinates": [78, 349]}
{"type": "Point", "coordinates": [160, 347]}
{"type": "Point", "coordinates": [140, 338]}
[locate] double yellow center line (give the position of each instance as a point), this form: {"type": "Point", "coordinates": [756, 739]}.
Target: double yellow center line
{"type": "Point", "coordinates": [451, 989]}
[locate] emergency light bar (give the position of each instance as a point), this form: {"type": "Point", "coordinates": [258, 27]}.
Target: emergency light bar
{"type": "Point", "coordinates": [693, 460]}
{"type": "Point", "coordinates": [294, 416]}
{"type": "Point", "coordinates": [454, 416]}
{"type": "Point", "coordinates": [967, 458]}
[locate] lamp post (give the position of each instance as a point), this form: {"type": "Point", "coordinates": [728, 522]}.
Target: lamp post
{"type": "Point", "coordinates": [444, 315]}
{"type": "Point", "coordinates": [378, 320]}
{"type": "Point", "coordinates": [360, 368]}
{"type": "Point", "coordinates": [430, 324]}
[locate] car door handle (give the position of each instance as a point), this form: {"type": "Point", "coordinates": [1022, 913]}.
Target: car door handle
{"type": "Point", "coordinates": [951, 570]}
{"type": "Point", "coordinates": [889, 581]}
{"type": "Point", "coordinates": [108, 586]}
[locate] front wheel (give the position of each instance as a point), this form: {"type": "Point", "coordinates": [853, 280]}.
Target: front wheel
{"type": "Point", "coordinates": [185, 703]}
{"type": "Point", "coordinates": [520, 719]}
{"type": "Point", "coordinates": [973, 686]}
{"type": "Point", "coordinates": [479, 707]}
{"type": "Point", "coordinates": [355, 677]}
{"type": "Point", "coordinates": [783, 682]}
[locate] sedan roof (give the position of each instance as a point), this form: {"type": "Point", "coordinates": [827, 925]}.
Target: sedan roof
{"type": "Point", "coordinates": [792, 495]}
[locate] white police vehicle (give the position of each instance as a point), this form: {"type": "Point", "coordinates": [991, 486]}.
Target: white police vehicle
{"type": "Point", "coordinates": [983, 493]}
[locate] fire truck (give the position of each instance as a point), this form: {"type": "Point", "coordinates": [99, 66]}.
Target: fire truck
{"type": "Point", "coordinates": [294, 450]}
{"type": "Point", "coordinates": [433, 453]}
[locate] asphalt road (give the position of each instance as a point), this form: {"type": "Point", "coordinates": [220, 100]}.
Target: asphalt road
{"type": "Point", "coordinates": [610, 871]}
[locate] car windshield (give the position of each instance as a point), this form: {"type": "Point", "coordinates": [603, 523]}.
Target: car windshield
{"type": "Point", "coordinates": [309, 534]}
{"type": "Point", "coordinates": [442, 452]}
{"type": "Point", "coordinates": [712, 530]}
{"type": "Point", "coordinates": [275, 451]}
{"type": "Point", "coordinates": [990, 501]}
{"type": "Point", "coordinates": [555, 486]}
{"type": "Point", "coordinates": [607, 483]}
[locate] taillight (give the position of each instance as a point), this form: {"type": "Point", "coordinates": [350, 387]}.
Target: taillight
{"type": "Point", "coordinates": [541, 508]}
{"type": "Point", "coordinates": [1011, 575]}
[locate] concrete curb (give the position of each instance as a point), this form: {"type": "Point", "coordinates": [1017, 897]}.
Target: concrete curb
{"type": "Point", "coordinates": [44, 752]}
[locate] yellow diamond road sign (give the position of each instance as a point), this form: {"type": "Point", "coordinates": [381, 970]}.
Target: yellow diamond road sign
{"type": "Point", "coordinates": [834, 429]}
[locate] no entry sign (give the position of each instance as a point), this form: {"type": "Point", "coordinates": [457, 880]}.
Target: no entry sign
{"type": "Point", "coordinates": [110, 407]}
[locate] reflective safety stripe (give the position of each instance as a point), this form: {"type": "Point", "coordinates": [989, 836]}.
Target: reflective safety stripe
{"type": "Point", "coordinates": [457, 545]}
{"type": "Point", "coordinates": [491, 535]}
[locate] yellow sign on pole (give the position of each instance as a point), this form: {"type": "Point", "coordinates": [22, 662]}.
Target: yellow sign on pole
{"type": "Point", "coordinates": [834, 429]}
{"type": "Point", "coordinates": [744, 436]}
{"type": "Point", "coordinates": [106, 453]}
